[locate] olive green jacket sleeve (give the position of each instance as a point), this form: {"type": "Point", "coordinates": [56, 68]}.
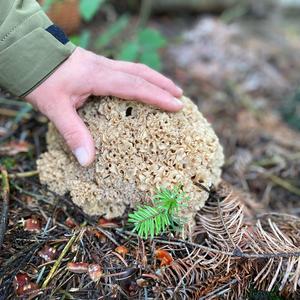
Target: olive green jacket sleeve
{"type": "Point", "coordinates": [28, 52]}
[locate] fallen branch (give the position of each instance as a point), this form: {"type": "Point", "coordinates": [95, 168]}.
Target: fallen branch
{"type": "Point", "coordinates": [237, 253]}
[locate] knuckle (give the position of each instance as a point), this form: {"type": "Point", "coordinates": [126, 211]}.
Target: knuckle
{"type": "Point", "coordinates": [138, 83]}
{"type": "Point", "coordinates": [141, 68]}
{"type": "Point", "coordinates": [47, 107]}
{"type": "Point", "coordinates": [169, 81]}
{"type": "Point", "coordinates": [70, 135]}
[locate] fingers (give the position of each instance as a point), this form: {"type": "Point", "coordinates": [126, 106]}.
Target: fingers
{"type": "Point", "coordinates": [74, 132]}
{"type": "Point", "coordinates": [132, 87]}
{"type": "Point", "coordinates": [152, 76]}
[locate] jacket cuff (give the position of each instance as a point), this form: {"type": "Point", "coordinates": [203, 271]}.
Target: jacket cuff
{"type": "Point", "coordinates": [31, 59]}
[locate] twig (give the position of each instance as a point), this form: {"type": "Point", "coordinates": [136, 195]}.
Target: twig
{"type": "Point", "coordinates": [24, 174]}
{"type": "Point", "coordinates": [12, 113]}
{"type": "Point", "coordinates": [108, 235]}
{"type": "Point", "coordinates": [5, 197]}
{"type": "Point", "coordinates": [16, 122]}
{"type": "Point", "coordinates": [284, 184]}
{"type": "Point", "coordinates": [145, 12]}
{"type": "Point", "coordinates": [181, 243]}
{"type": "Point", "coordinates": [12, 102]}
{"type": "Point", "coordinates": [236, 253]}
{"type": "Point", "coordinates": [58, 261]}
{"type": "Point", "coordinates": [219, 291]}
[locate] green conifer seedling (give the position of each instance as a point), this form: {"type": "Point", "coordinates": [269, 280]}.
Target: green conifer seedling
{"type": "Point", "coordinates": [162, 215]}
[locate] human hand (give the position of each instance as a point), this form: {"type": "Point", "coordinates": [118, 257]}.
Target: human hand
{"type": "Point", "coordinates": [85, 73]}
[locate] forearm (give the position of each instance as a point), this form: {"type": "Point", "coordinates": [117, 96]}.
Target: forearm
{"type": "Point", "coordinates": [30, 48]}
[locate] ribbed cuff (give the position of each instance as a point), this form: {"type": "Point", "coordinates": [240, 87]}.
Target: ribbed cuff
{"type": "Point", "coordinates": [28, 61]}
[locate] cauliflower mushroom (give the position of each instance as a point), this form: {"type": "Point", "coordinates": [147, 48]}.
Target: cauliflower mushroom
{"type": "Point", "coordinates": [139, 149]}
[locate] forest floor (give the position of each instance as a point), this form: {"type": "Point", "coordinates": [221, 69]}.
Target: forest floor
{"type": "Point", "coordinates": [244, 77]}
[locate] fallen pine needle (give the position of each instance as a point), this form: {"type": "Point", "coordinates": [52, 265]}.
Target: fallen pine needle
{"type": "Point", "coordinates": [58, 261]}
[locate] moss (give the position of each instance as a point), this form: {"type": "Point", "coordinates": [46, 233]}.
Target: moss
{"type": "Point", "coordinates": [138, 149]}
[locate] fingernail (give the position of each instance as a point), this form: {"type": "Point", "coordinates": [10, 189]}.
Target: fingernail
{"type": "Point", "coordinates": [179, 89]}
{"type": "Point", "coordinates": [82, 155]}
{"type": "Point", "coordinates": [177, 101]}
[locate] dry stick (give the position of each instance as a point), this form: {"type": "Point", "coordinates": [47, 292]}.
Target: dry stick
{"type": "Point", "coordinates": [284, 184]}
{"type": "Point", "coordinates": [145, 12]}
{"type": "Point", "coordinates": [57, 263]}
{"type": "Point", "coordinates": [5, 197]}
{"type": "Point", "coordinates": [232, 254]}
{"type": "Point", "coordinates": [181, 243]}
{"type": "Point", "coordinates": [12, 113]}
{"type": "Point", "coordinates": [24, 174]}
{"type": "Point", "coordinates": [108, 235]}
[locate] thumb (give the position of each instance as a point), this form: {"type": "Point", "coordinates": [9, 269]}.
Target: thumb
{"type": "Point", "coordinates": [75, 133]}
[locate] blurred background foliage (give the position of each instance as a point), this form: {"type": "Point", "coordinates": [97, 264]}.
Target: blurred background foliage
{"type": "Point", "coordinates": [142, 44]}
{"type": "Point", "coordinates": [291, 110]}
{"type": "Point", "coordinates": [121, 30]}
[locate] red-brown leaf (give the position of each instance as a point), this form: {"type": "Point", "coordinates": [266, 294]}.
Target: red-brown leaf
{"type": "Point", "coordinates": [95, 272]}
{"type": "Point", "coordinates": [122, 250]}
{"type": "Point", "coordinates": [164, 257]}
{"type": "Point", "coordinates": [32, 225]}
{"type": "Point", "coordinates": [14, 147]}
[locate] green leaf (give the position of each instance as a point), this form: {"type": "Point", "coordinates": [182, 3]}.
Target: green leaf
{"type": "Point", "coordinates": [8, 162]}
{"type": "Point", "coordinates": [129, 51]}
{"type": "Point", "coordinates": [85, 38]}
{"type": "Point", "coordinates": [150, 221]}
{"type": "Point", "coordinates": [88, 8]}
{"type": "Point", "coordinates": [151, 39]}
{"type": "Point", "coordinates": [75, 39]}
{"type": "Point", "coordinates": [291, 110]}
{"type": "Point", "coordinates": [151, 59]}
{"type": "Point", "coordinates": [82, 40]}
{"type": "Point", "coordinates": [111, 32]}
{"type": "Point", "coordinates": [47, 4]}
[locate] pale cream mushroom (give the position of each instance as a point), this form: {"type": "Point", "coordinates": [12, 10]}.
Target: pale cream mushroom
{"type": "Point", "coordinates": [139, 148]}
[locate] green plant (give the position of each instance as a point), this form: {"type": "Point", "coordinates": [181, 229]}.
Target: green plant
{"type": "Point", "coordinates": [82, 40]}
{"type": "Point", "coordinates": [47, 4]}
{"type": "Point", "coordinates": [156, 219]}
{"type": "Point", "coordinates": [89, 8]}
{"type": "Point", "coordinates": [144, 47]}
{"type": "Point", "coordinates": [112, 31]}
{"type": "Point", "coordinates": [8, 162]}
{"type": "Point", "coordinates": [291, 110]}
